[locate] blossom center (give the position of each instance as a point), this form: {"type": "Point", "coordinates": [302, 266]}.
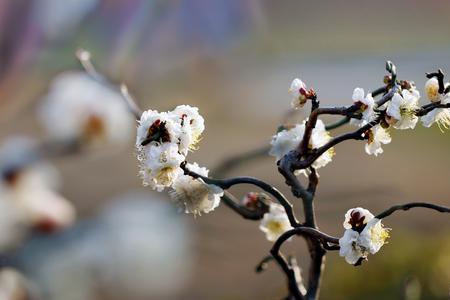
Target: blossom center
{"type": "Point", "coordinates": [157, 132]}
{"type": "Point", "coordinates": [357, 221]}
{"type": "Point", "coordinates": [94, 127]}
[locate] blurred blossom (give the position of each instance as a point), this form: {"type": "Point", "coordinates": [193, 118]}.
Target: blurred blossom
{"type": "Point", "coordinates": [77, 106]}
{"type": "Point", "coordinates": [136, 249]}
{"type": "Point", "coordinates": [27, 194]}
{"type": "Point", "coordinates": [13, 286]}
{"type": "Point", "coordinates": [275, 222]}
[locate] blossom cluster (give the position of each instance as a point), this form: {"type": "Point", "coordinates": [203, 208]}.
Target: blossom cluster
{"type": "Point", "coordinates": [28, 195]}
{"type": "Point", "coordinates": [399, 113]}
{"type": "Point", "coordinates": [364, 235]}
{"type": "Point", "coordinates": [288, 139]}
{"type": "Point", "coordinates": [162, 143]}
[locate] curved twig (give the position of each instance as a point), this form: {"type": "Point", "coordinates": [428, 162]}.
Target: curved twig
{"type": "Point", "coordinates": [408, 206]}
{"type": "Point", "coordinates": [228, 183]}
{"type": "Point", "coordinates": [243, 211]}
{"type": "Point", "coordinates": [281, 260]}
{"type": "Point", "coordinates": [85, 60]}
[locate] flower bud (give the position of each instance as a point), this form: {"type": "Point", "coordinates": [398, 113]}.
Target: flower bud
{"type": "Point", "coordinates": [432, 90]}
{"type": "Point", "coordinates": [256, 201]}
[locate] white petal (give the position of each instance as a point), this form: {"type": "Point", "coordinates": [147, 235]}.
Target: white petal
{"type": "Point", "coordinates": [358, 95]}
{"type": "Point", "coordinates": [393, 108]}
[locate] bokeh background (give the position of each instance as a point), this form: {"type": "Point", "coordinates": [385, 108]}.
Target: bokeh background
{"type": "Point", "coordinates": [235, 60]}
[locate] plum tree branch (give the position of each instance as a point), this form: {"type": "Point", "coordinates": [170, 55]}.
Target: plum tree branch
{"type": "Point", "coordinates": [408, 206]}
{"type": "Point", "coordinates": [243, 211]}
{"type": "Point", "coordinates": [228, 183]}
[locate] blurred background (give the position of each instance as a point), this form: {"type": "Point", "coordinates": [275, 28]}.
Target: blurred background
{"type": "Point", "coordinates": [234, 60]}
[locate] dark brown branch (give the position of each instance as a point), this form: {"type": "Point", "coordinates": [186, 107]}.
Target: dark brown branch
{"type": "Point", "coordinates": [312, 120]}
{"type": "Point", "coordinates": [263, 264]}
{"type": "Point", "coordinates": [355, 135]}
{"type": "Point", "coordinates": [346, 120]}
{"type": "Point", "coordinates": [313, 181]}
{"type": "Point", "coordinates": [228, 183]}
{"type": "Point", "coordinates": [388, 96]}
{"type": "Point", "coordinates": [408, 206]}
{"type": "Point", "coordinates": [312, 235]}
{"type": "Point", "coordinates": [379, 91]}
{"type": "Point", "coordinates": [308, 232]}
{"type": "Point", "coordinates": [243, 211]}
{"type": "Point", "coordinates": [429, 107]}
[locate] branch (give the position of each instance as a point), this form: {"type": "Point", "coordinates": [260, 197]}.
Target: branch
{"type": "Point", "coordinates": [313, 181]}
{"type": "Point", "coordinates": [346, 120]}
{"type": "Point", "coordinates": [408, 206]}
{"type": "Point", "coordinates": [355, 135]}
{"type": "Point", "coordinates": [379, 91]}
{"type": "Point", "coordinates": [308, 232]}
{"type": "Point", "coordinates": [243, 211]}
{"type": "Point", "coordinates": [431, 106]}
{"type": "Point", "coordinates": [85, 60]}
{"type": "Point", "coordinates": [311, 123]}
{"type": "Point", "coordinates": [228, 183]}
{"type": "Point", "coordinates": [388, 96]}
{"type": "Point", "coordinates": [311, 234]}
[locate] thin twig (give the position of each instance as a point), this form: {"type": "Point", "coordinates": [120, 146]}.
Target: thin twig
{"type": "Point", "coordinates": [408, 206]}
{"type": "Point", "coordinates": [263, 264]}
{"type": "Point", "coordinates": [243, 211]}
{"type": "Point", "coordinates": [228, 183]}
{"type": "Point", "coordinates": [85, 60]}
{"type": "Point", "coordinates": [311, 234]}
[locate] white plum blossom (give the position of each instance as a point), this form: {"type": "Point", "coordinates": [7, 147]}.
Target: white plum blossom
{"type": "Point", "coordinates": [28, 197]}
{"type": "Point", "coordinates": [299, 93]}
{"type": "Point", "coordinates": [77, 106]}
{"type": "Point", "coordinates": [441, 116]}
{"type": "Point", "coordinates": [288, 139]}
{"type": "Point", "coordinates": [401, 110]}
{"type": "Point", "coordinates": [357, 217]}
{"type": "Point", "coordinates": [160, 165]}
{"type": "Point", "coordinates": [377, 136]}
{"type": "Point", "coordinates": [364, 235]}
{"type": "Point", "coordinates": [162, 142]}
{"type": "Point", "coordinates": [319, 137]}
{"type": "Point", "coordinates": [275, 222]}
{"type": "Point", "coordinates": [432, 90]}
{"type": "Point", "coordinates": [194, 195]}
{"type": "Point", "coordinates": [366, 104]}
{"type": "Point", "coordinates": [192, 126]}
{"type": "Point", "coordinates": [13, 285]}
{"type": "Point", "coordinates": [156, 128]}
